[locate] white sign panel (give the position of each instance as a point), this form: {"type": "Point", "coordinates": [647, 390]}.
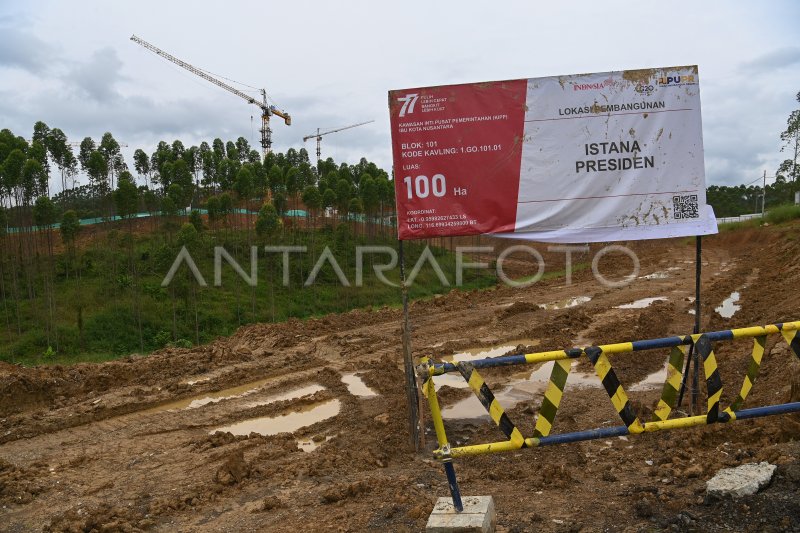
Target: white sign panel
{"type": "Point", "coordinates": [583, 158]}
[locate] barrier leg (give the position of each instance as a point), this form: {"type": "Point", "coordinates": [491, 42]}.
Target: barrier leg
{"type": "Point", "coordinates": [453, 482]}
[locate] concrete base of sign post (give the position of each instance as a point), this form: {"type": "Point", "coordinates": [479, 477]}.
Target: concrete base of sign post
{"type": "Point", "coordinates": [478, 516]}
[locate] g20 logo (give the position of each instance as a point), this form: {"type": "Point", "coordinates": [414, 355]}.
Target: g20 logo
{"type": "Point", "coordinates": [644, 89]}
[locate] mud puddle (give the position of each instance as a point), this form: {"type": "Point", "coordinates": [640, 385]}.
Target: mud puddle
{"type": "Point", "coordinates": [524, 386]}
{"type": "Point", "coordinates": [566, 303]}
{"type": "Point", "coordinates": [356, 386]}
{"type": "Point", "coordinates": [290, 395]}
{"type": "Point", "coordinates": [288, 423]}
{"type": "Point", "coordinates": [652, 381]}
{"type": "Point", "coordinates": [641, 304]}
{"type": "Point", "coordinates": [454, 379]}
{"type": "Point", "coordinates": [729, 305]}
{"type": "Point", "coordinates": [213, 397]}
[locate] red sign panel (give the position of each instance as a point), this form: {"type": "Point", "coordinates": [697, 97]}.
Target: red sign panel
{"type": "Point", "coordinates": [457, 157]}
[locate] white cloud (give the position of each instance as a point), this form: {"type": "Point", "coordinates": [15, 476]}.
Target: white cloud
{"type": "Point", "coordinates": [72, 65]}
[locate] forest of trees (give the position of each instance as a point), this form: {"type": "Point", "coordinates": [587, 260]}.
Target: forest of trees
{"type": "Point", "coordinates": [68, 287]}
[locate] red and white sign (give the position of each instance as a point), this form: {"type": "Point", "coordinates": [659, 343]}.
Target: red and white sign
{"type": "Point", "coordinates": [592, 157]}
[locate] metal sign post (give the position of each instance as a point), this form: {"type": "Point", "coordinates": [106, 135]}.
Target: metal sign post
{"type": "Point", "coordinates": [412, 395]}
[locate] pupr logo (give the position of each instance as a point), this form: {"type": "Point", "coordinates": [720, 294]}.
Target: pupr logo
{"type": "Point", "coordinates": [677, 80]}
{"type": "Point", "coordinates": [409, 101]}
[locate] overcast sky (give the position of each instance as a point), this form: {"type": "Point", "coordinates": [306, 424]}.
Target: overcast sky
{"type": "Point", "coordinates": [330, 64]}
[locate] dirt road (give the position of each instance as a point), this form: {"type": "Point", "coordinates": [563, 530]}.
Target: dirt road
{"type": "Point", "coordinates": [171, 441]}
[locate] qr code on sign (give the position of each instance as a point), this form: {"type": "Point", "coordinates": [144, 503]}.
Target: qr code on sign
{"type": "Point", "coordinates": [685, 206]}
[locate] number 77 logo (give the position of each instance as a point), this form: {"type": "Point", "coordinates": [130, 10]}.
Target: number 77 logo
{"type": "Point", "coordinates": [408, 103]}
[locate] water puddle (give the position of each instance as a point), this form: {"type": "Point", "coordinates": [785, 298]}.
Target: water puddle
{"type": "Point", "coordinates": [309, 445]}
{"type": "Point", "coordinates": [234, 392]}
{"type": "Point", "coordinates": [641, 304]}
{"type": "Point", "coordinates": [290, 395]}
{"type": "Point", "coordinates": [523, 387]}
{"type": "Point", "coordinates": [566, 303]}
{"type": "Point", "coordinates": [656, 275]}
{"type": "Point", "coordinates": [288, 423]}
{"type": "Point", "coordinates": [729, 305]}
{"type": "Point", "coordinates": [454, 379]}
{"type": "Point", "coordinates": [651, 381]}
{"type": "Point", "coordinates": [212, 397]}
{"type": "Point", "coordinates": [356, 386]}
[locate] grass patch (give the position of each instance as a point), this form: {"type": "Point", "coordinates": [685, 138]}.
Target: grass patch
{"type": "Point", "coordinates": [783, 213]}
{"type": "Point", "coordinates": [744, 224]}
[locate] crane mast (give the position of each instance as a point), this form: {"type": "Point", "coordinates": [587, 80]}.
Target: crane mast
{"type": "Point", "coordinates": [266, 110]}
{"type": "Point", "coordinates": [318, 136]}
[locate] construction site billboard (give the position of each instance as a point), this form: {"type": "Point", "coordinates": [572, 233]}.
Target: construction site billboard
{"type": "Point", "coordinates": [582, 158]}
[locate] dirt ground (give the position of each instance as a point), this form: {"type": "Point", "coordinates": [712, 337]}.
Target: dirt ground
{"type": "Point", "coordinates": [111, 447]}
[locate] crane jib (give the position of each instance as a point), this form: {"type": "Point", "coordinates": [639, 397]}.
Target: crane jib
{"type": "Point", "coordinates": [266, 110]}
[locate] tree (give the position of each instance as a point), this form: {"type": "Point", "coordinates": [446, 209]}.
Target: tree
{"type": "Point", "coordinates": [196, 220]}
{"type": "Point", "coordinates": [313, 201]}
{"type": "Point", "coordinates": [279, 201]}
{"type": "Point", "coordinates": [790, 137]}
{"type": "Point", "coordinates": [142, 164]}
{"type": "Point", "coordinates": [62, 155]}
{"type": "Point", "coordinates": [276, 179]}
{"type": "Point", "coordinates": [244, 183]}
{"type": "Point", "coordinates": [40, 132]}
{"type": "Point", "coordinates": [242, 148]}
{"type": "Point", "coordinates": [370, 196]}
{"type": "Point", "coordinates": [267, 225]}
{"type": "Point", "coordinates": [97, 169]}
{"type": "Point", "coordinates": [34, 180]}
{"type": "Point", "coordinates": [70, 227]}
{"type": "Point", "coordinates": [293, 183]}
{"type": "Point", "coordinates": [126, 197]}
{"type": "Point", "coordinates": [268, 221]}
{"type": "Point", "coordinates": [344, 193]}
{"type": "Point", "coordinates": [213, 210]}
{"type": "Point", "coordinates": [182, 176]}
{"type": "Point", "coordinates": [110, 148]}
{"type": "Point", "coordinates": [328, 198]}
{"type": "Point", "coordinates": [85, 151]}
{"type": "Point", "coordinates": [44, 212]}
{"type": "Point", "coordinates": [12, 174]}
{"type": "Point", "coordinates": [45, 216]}
{"type": "Point", "coordinates": [177, 150]}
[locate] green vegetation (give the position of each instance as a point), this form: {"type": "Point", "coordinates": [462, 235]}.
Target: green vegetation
{"type": "Point", "coordinates": [94, 292]}
{"type": "Point", "coordinates": [783, 213]}
{"type": "Point", "coordinates": [103, 316]}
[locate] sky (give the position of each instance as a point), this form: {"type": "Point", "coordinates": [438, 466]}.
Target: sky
{"type": "Point", "coordinates": [331, 64]}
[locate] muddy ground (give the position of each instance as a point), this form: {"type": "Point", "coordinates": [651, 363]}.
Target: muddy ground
{"type": "Point", "coordinates": [133, 444]}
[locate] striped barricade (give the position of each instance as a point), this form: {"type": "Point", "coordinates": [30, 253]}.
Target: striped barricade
{"type": "Point", "coordinates": [599, 357]}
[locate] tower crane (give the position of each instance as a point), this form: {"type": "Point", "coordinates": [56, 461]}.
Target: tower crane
{"type": "Point", "coordinates": [267, 110]}
{"type": "Point", "coordinates": [318, 135]}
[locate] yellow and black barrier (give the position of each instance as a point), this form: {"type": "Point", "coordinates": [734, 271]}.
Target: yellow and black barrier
{"type": "Point", "coordinates": [598, 356]}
